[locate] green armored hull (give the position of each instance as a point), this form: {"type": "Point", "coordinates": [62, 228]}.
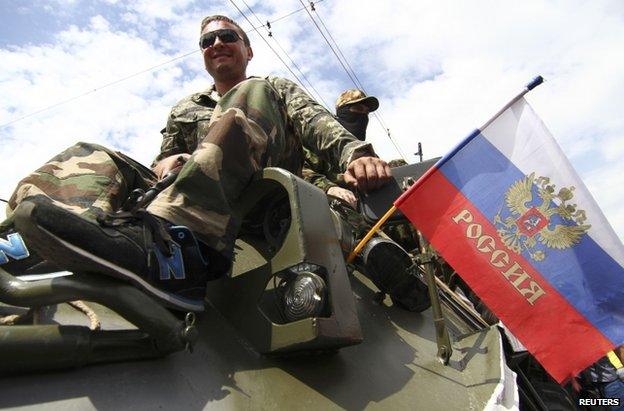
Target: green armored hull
{"type": "Point", "coordinates": [395, 367]}
{"type": "Point", "coordinates": [357, 352]}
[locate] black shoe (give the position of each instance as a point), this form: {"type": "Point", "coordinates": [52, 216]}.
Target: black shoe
{"type": "Point", "coordinates": [163, 260]}
{"type": "Point", "coordinates": [388, 266]}
{"type": "Point", "coordinates": [16, 257]}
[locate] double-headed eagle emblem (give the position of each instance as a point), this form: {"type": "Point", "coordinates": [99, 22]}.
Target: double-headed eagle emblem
{"type": "Point", "coordinates": [528, 225]}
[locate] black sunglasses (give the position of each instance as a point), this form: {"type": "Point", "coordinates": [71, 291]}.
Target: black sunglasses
{"type": "Point", "coordinates": [226, 36]}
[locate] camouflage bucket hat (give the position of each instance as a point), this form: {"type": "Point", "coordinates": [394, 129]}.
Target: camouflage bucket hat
{"type": "Point", "coordinates": [357, 96]}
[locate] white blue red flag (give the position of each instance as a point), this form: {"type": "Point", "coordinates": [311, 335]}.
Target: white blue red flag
{"type": "Point", "coordinates": [508, 212]}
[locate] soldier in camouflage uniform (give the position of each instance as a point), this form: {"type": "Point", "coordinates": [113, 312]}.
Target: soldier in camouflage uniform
{"type": "Point", "coordinates": [352, 109]}
{"type": "Point", "coordinates": [220, 138]}
{"type": "Point", "coordinates": [383, 261]}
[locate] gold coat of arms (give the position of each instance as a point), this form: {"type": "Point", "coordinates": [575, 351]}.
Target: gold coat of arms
{"type": "Point", "coordinates": [537, 217]}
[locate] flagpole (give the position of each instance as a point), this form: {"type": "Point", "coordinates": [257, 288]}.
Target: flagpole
{"type": "Point", "coordinates": [442, 336]}
{"type": "Point", "coordinates": [370, 233]}
{"type": "Point", "coordinates": [532, 84]}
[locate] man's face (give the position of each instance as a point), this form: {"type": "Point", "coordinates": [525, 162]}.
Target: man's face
{"type": "Point", "coordinates": [226, 61]}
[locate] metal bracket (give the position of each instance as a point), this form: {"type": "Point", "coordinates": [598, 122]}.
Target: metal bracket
{"type": "Point", "coordinates": [443, 339]}
{"type": "Point", "coordinates": [53, 346]}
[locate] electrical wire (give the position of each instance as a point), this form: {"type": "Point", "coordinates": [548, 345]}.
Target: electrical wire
{"type": "Point", "coordinates": [284, 16]}
{"type": "Point", "coordinates": [329, 44]}
{"type": "Point", "coordinates": [272, 49]}
{"type": "Point", "coordinates": [359, 83]}
{"type": "Point", "coordinates": [348, 69]}
{"type": "Point", "coordinates": [62, 102]}
{"type": "Point", "coordinates": [350, 73]}
{"type": "Point", "coordinates": [288, 56]}
{"type": "Point", "coordinates": [96, 89]}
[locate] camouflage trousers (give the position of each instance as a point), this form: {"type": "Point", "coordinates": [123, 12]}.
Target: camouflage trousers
{"type": "Point", "coordinates": [246, 133]}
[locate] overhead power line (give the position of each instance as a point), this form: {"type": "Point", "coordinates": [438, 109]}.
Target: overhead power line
{"type": "Point", "coordinates": [350, 72]}
{"type": "Point", "coordinates": [358, 82]}
{"type": "Point", "coordinates": [284, 16]}
{"type": "Point", "coordinates": [269, 29]}
{"type": "Point", "coordinates": [60, 103]}
{"type": "Point", "coordinates": [329, 44]}
{"type": "Point", "coordinates": [272, 49]}
{"type": "Point", "coordinates": [98, 88]}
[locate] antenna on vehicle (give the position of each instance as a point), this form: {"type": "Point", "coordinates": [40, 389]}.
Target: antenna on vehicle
{"type": "Point", "coordinates": [419, 153]}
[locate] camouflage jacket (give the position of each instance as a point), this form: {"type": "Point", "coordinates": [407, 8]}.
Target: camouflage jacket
{"type": "Point", "coordinates": [317, 171]}
{"type": "Point", "coordinates": [308, 122]}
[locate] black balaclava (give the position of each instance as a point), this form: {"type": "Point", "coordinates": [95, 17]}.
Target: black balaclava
{"type": "Point", "coordinates": [355, 123]}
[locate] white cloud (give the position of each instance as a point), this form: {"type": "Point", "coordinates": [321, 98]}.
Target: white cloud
{"type": "Point", "coordinates": [443, 68]}
{"type": "Point", "coordinates": [440, 69]}
{"type": "Point", "coordinates": [127, 116]}
{"type": "Point", "coordinates": [160, 9]}
{"type": "Point", "coordinates": [99, 23]}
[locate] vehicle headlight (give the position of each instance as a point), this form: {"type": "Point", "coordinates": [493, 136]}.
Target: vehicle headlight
{"type": "Point", "coordinates": [304, 293]}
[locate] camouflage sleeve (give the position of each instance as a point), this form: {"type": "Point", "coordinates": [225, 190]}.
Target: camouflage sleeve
{"type": "Point", "coordinates": [315, 171]}
{"type": "Point", "coordinates": [316, 179]}
{"type": "Point", "coordinates": [180, 133]}
{"type": "Point", "coordinates": [173, 141]}
{"type": "Point", "coordinates": [317, 128]}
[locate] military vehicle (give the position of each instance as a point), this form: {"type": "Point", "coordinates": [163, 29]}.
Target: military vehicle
{"type": "Point", "coordinates": [290, 327]}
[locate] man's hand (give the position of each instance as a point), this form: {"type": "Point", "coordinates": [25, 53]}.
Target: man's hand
{"type": "Point", "coordinates": [367, 173]}
{"type": "Point", "coordinates": [343, 194]}
{"type": "Point", "coordinates": [167, 164]}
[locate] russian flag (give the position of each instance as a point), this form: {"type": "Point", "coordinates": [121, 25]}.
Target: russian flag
{"type": "Point", "coordinates": [508, 212]}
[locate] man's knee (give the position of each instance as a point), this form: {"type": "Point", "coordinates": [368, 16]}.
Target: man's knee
{"type": "Point", "coordinates": [254, 90]}
{"type": "Point", "coordinates": [88, 147]}
{"type": "Point", "coordinates": [259, 102]}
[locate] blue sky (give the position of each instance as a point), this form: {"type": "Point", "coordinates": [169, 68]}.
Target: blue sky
{"type": "Point", "coordinates": [439, 68]}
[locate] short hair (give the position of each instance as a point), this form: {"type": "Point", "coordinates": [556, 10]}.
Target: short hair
{"type": "Point", "coordinates": [218, 17]}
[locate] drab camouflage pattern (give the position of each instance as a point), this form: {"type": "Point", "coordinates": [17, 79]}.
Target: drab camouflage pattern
{"type": "Point", "coordinates": [245, 133]}
{"type": "Point", "coordinates": [318, 173]}
{"type": "Point", "coordinates": [87, 179]}
{"type": "Point", "coordinates": [258, 123]}
{"type": "Point", "coordinates": [397, 162]}
{"type": "Point", "coordinates": [354, 96]}
{"type": "Point", "coordinates": [404, 235]}
{"type": "Point", "coordinates": [315, 171]}
{"type": "Point", "coordinates": [306, 121]}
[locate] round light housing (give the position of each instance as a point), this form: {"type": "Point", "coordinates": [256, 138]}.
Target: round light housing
{"type": "Point", "coordinates": [304, 296]}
